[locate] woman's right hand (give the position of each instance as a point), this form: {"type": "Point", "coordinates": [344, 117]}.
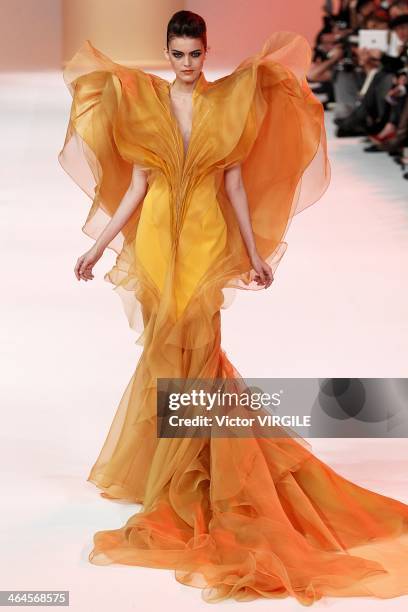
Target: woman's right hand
{"type": "Point", "coordinates": [264, 275]}
{"type": "Point", "coordinates": [85, 263]}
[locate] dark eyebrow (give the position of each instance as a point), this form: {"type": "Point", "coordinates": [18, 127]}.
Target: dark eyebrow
{"type": "Point", "coordinates": [178, 50]}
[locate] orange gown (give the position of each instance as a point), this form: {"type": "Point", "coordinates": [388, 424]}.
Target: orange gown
{"type": "Point", "coordinates": [237, 517]}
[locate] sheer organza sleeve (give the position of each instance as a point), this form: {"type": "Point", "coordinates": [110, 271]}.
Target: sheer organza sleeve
{"type": "Point", "coordinates": [90, 154]}
{"type": "Point", "coordinates": [274, 127]}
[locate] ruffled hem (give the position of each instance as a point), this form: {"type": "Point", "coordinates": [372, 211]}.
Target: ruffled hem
{"type": "Point", "coordinates": [241, 518]}
{"type": "Point", "coordinates": [276, 537]}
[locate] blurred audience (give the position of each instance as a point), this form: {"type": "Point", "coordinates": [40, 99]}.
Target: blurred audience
{"type": "Point", "coordinates": [360, 67]}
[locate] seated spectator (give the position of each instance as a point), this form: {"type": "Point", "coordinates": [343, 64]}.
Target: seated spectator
{"type": "Point", "coordinates": [379, 110]}
{"type": "Point", "coordinates": [337, 62]}
{"type": "Point", "coordinates": [369, 86]}
{"type": "Point", "coordinates": [395, 129]}
{"type": "Point", "coordinates": [369, 114]}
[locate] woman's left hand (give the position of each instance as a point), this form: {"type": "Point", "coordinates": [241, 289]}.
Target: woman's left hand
{"type": "Point", "coordinates": [264, 275]}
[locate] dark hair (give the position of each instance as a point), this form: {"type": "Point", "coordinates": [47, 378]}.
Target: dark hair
{"type": "Point", "coordinates": [319, 36]}
{"type": "Point", "coordinates": [397, 21]}
{"type": "Point", "coordinates": [186, 23]}
{"type": "Point", "coordinates": [362, 3]}
{"type": "Point", "coordinates": [399, 3]}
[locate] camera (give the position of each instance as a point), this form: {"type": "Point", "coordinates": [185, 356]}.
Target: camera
{"type": "Point", "coordinates": [347, 63]}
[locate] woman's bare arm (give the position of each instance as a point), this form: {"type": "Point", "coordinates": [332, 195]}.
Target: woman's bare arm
{"type": "Point", "coordinates": [130, 201]}
{"type": "Point", "coordinates": [235, 189]}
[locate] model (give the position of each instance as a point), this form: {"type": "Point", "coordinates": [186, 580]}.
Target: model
{"type": "Point", "coordinates": [194, 184]}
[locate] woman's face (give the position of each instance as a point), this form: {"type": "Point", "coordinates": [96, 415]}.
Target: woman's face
{"type": "Point", "coordinates": [402, 32]}
{"type": "Point", "coordinates": [327, 41]}
{"type": "Point", "coordinates": [186, 54]}
{"type": "Point", "coordinates": [367, 9]}
{"type": "Point", "coordinates": [398, 9]}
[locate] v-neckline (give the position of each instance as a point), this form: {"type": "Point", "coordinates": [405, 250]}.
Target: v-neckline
{"type": "Point", "coordinates": [197, 89]}
{"type": "Point", "coordinates": [182, 108]}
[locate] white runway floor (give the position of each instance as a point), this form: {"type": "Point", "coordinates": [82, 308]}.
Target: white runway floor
{"type": "Point", "coordinates": [338, 307]}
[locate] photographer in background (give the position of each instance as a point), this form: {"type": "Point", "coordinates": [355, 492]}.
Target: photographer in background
{"type": "Point", "coordinates": [320, 75]}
